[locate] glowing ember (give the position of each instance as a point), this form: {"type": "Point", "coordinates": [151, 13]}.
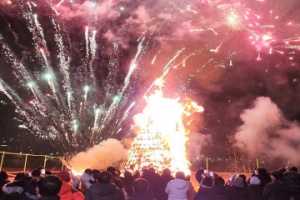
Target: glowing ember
{"type": "Point", "coordinates": [162, 137]}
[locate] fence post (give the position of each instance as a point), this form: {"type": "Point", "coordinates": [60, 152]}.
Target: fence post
{"type": "Point", "coordinates": [2, 160]}
{"type": "Point", "coordinates": [45, 161]}
{"type": "Point", "coordinates": [62, 164]}
{"type": "Point", "coordinates": [206, 159]}
{"type": "Point", "coordinates": [25, 164]}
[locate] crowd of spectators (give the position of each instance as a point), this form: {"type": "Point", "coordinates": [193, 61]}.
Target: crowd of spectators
{"type": "Point", "coordinates": [283, 184]}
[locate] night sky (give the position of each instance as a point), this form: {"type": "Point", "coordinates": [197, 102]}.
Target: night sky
{"type": "Point", "coordinates": [223, 54]}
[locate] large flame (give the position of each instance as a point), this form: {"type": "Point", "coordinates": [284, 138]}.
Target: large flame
{"type": "Point", "coordinates": [162, 137]}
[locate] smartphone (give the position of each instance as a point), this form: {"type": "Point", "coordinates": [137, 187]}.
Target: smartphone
{"type": "Point", "coordinates": [211, 173]}
{"type": "Point", "coordinates": [43, 171]}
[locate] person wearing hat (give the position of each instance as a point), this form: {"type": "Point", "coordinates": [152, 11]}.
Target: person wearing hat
{"type": "Point", "coordinates": [255, 188]}
{"type": "Point", "coordinates": [237, 191]}
{"type": "Point", "coordinates": [67, 191]}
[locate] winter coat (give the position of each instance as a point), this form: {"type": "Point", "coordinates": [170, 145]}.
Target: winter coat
{"type": "Point", "coordinates": [85, 181]}
{"type": "Point", "coordinates": [198, 175]}
{"type": "Point", "coordinates": [68, 192]}
{"type": "Point", "coordinates": [13, 187]}
{"type": "Point", "coordinates": [27, 196]}
{"type": "Point", "coordinates": [203, 193]}
{"type": "Point", "coordinates": [2, 183]}
{"type": "Point", "coordinates": [50, 198]}
{"type": "Point", "coordinates": [236, 193]}
{"type": "Point", "coordinates": [218, 192]}
{"type": "Point", "coordinates": [141, 196]}
{"type": "Point", "coordinates": [276, 190]}
{"type": "Point", "coordinates": [100, 191]}
{"type": "Point", "coordinates": [164, 180]}
{"type": "Point", "coordinates": [127, 182]}
{"type": "Point", "coordinates": [292, 179]}
{"type": "Point", "coordinates": [255, 192]}
{"type": "Point", "coordinates": [178, 189]}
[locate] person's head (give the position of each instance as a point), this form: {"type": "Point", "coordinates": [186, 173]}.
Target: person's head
{"type": "Point", "coordinates": [64, 176]}
{"type": "Point", "coordinates": [219, 181]}
{"type": "Point", "coordinates": [180, 175]}
{"type": "Point", "coordinates": [88, 171]}
{"type": "Point", "coordinates": [111, 170]}
{"type": "Point", "coordinates": [140, 185]}
{"type": "Point", "coordinates": [48, 173]}
{"type": "Point", "coordinates": [3, 175]}
{"type": "Point", "coordinates": [207, 182]}
{"type": "Point", "coordinates": [19, 176]}
{"type": "Point", "coordinates": [277, 175]}
{"type": "Point", "coordinates": [152, 170]}
{"type": "Point", "coordinates": [127, 174]}
{"type": "Point", "coordinates": [49, 186]}
{"type": "Point", "coordinates": [254, 180]}
{"type": "Point", "coordinates": [294, 169]}
{"type": "Point", "coordinates": [243, 177]}
{"type": "Point", "coordinates": [95, 172]}
{"type": "Point", "coordinates": [104, 177]}
{"type": "Point", "coordinates": [119, 184]}
{"type": "Point", "coordinates": [166, 171]}
{"type": "Point", "coordinates": [187, 178]}
{"type": "Point", "coordinates": [238, 182]}
{"type": "Point", "coordinates": [36, 173]}
{"type": "Point", "coordinates": [30, 187]}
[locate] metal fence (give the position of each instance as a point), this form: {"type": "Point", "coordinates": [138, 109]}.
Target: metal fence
{"type": "Point", "coordinates": [27, 162]}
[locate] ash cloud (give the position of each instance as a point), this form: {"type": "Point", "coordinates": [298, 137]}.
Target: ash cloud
{"type": "Point", "coordinates": [266, 132]}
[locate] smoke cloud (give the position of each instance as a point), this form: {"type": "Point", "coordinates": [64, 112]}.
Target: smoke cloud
{"type": "Point", "coordinates": [266, 132]}
{"type": "Point", "coordinates": [196, 143]}
{"type": "Point", "coordinates": [107, 153]}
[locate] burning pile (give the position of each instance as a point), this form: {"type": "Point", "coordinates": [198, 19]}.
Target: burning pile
{"type": "Point", "coordinates": [161, 136]}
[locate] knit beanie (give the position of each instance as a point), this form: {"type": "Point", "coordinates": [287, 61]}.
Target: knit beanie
{"type": "Point", "coordinates": [254, 180]}
{"type": "Point", "coordinates": [238, 182]}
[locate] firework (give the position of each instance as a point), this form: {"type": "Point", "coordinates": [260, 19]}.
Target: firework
{"type": "Point", "coordinates": [83, 66]}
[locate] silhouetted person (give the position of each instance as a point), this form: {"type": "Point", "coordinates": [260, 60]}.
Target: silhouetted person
{"type": "Point", "coordinates": [48, 188]}
{"type": "Point", "coordinates": [140, 187]}
{"type": "Point", "coordinates": [104, 189]}
{"type": "Point", "coordinates": [219, 190]}
{"type": "Point", "coordinates": [277, 189]}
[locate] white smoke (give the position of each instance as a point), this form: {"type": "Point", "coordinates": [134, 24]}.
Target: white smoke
{"type": "Point", "coordinates": [107, 153]}
{"type": "Point", "coordinates": [196, 143]}
{"type": "Point", "coordinates": [266, 132]}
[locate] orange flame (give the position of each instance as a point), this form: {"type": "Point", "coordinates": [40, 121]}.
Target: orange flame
{"type": "Point", "coordinates": [161, 141]}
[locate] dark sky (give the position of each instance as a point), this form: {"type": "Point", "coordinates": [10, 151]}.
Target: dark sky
{"type": "Point", "coordinates": [224, 65]}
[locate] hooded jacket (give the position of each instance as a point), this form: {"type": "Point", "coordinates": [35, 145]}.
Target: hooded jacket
{"type": "Point", "coordinates": [178, 189]}
{"type": "Point", "coordinates": [292, 179]}
{"type": "Point", "coordinates": [68, 192]}
{"type": "Point", "coordinates": [100, 191]}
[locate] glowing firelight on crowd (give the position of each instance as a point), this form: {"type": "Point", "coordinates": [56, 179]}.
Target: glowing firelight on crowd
{"type": "Point", "coordinates": [162, 137]}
